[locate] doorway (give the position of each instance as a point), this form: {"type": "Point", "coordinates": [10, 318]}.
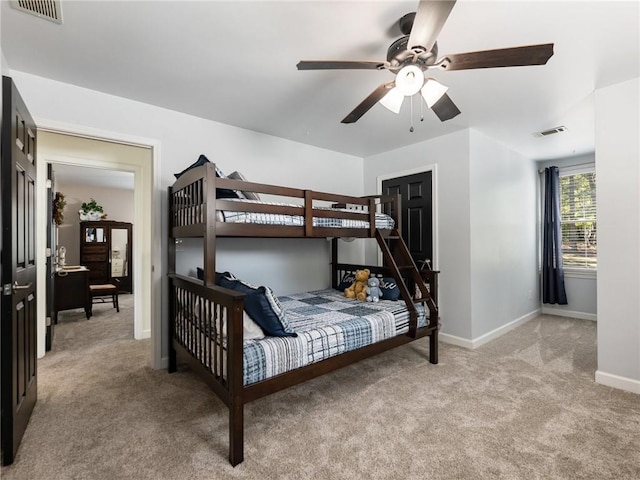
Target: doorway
{"type": "Point", "coordinates": [63, 147]}
{"type": "Point", "coordinates": [418, 213]}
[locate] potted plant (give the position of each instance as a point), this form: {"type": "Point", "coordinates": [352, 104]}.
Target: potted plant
{"type": "Point", "coordinates": [92, 211]}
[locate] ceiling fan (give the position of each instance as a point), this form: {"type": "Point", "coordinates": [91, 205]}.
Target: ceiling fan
{"type": "Point", "coordinates": [413, 54]}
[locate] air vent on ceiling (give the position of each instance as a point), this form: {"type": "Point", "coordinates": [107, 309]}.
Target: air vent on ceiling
{"type": "Point", "coordinates": [48, 9]}
{"type": "Point", "coordinates": [551, 131]}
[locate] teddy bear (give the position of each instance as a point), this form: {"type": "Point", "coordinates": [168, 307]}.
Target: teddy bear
{"type": "Point", "coordinates": [358, 288]}
{"type": "Point", "coordinates": [373, 290]}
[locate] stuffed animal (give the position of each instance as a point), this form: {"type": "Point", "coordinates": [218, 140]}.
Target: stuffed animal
{"type": "Point", "coordinates": [373, 290]}
{"type": "Point", "coordinates": [358, 288]}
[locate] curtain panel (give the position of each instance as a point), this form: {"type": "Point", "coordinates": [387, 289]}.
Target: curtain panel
{"type": "Point", "coordinates": [553, 290]}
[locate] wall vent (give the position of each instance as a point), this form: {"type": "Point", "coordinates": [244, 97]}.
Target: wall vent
{"type": "Point", "coordinates": [48, 9]}
{"type": "Point", "coordinates": [551, 131]}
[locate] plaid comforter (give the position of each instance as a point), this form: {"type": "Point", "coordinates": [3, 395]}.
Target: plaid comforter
{"type": "Point", "coordinates": [383, 221]}
{"type": "Point", "coordinates": [327, 324]}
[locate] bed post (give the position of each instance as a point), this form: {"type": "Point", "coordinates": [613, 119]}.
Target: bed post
{"type": "Point", "coordinates": [334, 262]}
{"type": "Point", "coordinates": [433, 347]}
{"type": "Point", "coordinates": [171, 247]}
{"type": "Point", "coordinates": [210, 225]}
{"type": "Point", "coordinates": [235, 370]}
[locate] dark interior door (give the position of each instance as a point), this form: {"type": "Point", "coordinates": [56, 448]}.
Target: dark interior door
{"type": "Point", "coordinates": [51, 256]}
{"type": "Point", "coordinates": [416, 192]}
{"type": "Point", "coordinates": [18, 323]}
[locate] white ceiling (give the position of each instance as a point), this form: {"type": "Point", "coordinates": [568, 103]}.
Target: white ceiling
{"type": "Point", "coordinates": [235, 62]}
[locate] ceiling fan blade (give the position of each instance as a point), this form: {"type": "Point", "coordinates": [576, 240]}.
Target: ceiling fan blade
{"type": "Point", "coordinates": [339, 64]}
{"type": "Point", "coordinates": [503, 57]}
{"type": "Point", "coordinates": [429, 20]}
{"type": "Point", "coordinates": [368, 102]}
{"type": "Point", "coordinates": [445, 109]}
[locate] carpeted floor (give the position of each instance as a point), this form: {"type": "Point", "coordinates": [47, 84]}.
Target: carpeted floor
{"type": "Point", "coordinates": [524, 406]}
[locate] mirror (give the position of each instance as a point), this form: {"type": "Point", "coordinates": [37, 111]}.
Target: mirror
{"type": "Point", "coordinates": [94, 235]}
{"type": "Point", "coordinates": [119, 260]}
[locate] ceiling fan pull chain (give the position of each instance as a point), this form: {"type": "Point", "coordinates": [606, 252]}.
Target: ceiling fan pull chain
{"type": "Point", "coordinates": [411, 103]}
{"type": "Point", "coordinates": [421, 111]}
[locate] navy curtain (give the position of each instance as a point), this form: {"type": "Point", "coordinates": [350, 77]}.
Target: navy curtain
{"type": "Point", "coordinates": [552, 270]}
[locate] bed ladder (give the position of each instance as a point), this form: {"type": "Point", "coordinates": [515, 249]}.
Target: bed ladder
{"type": "Point", "coordinates": [407, 265]}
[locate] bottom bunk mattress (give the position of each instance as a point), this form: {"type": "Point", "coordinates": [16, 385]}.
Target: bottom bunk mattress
{"type": "Point", "coordinates": [327, 324]}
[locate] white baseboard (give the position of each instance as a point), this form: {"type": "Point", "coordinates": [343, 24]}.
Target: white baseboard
{"type": "Point", "coordinates": [569, 313]}
{"type": "Point", "coordinates": [453, 340]}
{"type": "Point", "coordinates": [164, 363]}
{"type": "Point", "coordinates": [616, 381]}
{"type": "Point", "coordinates": [487, 337]}
{"type": "Point", "coordinates": [144, 334]}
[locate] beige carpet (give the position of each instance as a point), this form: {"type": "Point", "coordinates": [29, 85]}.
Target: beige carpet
{"type": "Point", "coordinates": [522, 407]}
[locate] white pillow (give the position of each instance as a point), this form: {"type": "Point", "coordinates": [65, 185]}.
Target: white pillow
{"type": "Point", "coordinates": [248, 195]}
{"type": "Point", "coordinates": [250, 329]}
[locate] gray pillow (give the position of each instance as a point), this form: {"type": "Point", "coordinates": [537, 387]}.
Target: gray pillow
{"type": "Point", "coordinates": [248, 195]}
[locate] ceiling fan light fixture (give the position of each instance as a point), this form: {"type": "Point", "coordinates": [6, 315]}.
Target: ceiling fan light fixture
{"type": "Point", "coordinates": [409, 80]}
{"type": "Point", "coordinates": [432, 91]}
{"type": "Point", "coordinates": [393, 100]}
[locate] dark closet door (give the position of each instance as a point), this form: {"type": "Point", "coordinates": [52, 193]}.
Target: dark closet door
{"type": "Point", "coordinates": [18, 320]}
{"type": "Point", "coordinates": [417, 212]}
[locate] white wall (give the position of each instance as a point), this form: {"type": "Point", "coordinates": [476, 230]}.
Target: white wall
{"type": "Point", "coordinates": [581, 288]}
{"type": "Point", "coordinates": [618, 213]}
{"type": "Point", "coordinates": [504, 278]}
{"type": "Point", "coordinates": [182, 138]}
{"type": "Point", "coordinates": [450, 155]}
{"type": "Point", "coordinates": [486, 231]}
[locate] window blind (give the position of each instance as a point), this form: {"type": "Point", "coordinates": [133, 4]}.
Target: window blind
{"type": "Point", "coordinates": [578, 220]}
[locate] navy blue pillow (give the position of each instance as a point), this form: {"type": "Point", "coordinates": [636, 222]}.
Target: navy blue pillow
{"type": "Point", "coordinates": [202, 160]}
{"type": "Point", "coordinates": [390, 289]}
{"type": "Point", "coordinates": [261, 306]}
{"type": "Point", "coordinates": [346, 281]}
{"type": "Point", "coordinates": [220, 192]}
{"type": "Point", "coordinates": [220, 277]}
{"type": "Point", "coordinates": [235, 284]}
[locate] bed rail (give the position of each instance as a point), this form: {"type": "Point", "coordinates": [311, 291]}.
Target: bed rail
{"type": "Point", "coordinates": [204, 322]}
{"type": "Point", "coordinates": [195, 209]}
{"type": "Point", "coordinates": [206, 332]}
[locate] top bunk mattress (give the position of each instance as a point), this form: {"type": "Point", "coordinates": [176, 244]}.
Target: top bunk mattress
{"type": "Point", "coordinates": [383, 221]}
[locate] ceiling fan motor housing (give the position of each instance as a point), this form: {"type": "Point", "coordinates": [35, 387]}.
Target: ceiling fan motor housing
{"type": "Point", "coordinates": [398, 55]}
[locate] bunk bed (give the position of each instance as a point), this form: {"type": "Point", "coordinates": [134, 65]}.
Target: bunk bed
{"type": "Point", "coordinates": [206, 315]}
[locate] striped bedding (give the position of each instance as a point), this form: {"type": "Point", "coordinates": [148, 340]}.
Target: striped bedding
{"type": "Point", "coordinates": [327, 324]}
{"type": "Point", "coordinates": [383, 221]}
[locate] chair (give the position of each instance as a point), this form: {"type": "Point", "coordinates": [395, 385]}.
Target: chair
{"type": "Point", "coordinates": [99, 292]}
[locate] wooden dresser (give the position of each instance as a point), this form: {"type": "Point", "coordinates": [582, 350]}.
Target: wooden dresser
{"type": "Point", "coordinates": [106, 250]}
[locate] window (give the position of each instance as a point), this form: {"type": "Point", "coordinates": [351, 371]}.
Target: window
{"type": "Point", "coordinates": [578, 218]}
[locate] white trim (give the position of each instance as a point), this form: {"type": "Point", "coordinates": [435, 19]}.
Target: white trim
{"type": "Point", "coordinates": [434, 203]}
{"type": "Point", "coordinates": [569, 313]}
{"type": "Point", "coordinates": [589, 273]}
{"type": "Point", "coordinates": [622, 383]}
{"type": "Point", "coordinates": [498, 332]}
{"type": "Point", "coordinates": [577, 169]}
{"type": "Point", "coordinates": [147, 240]}
{"type": "Point", "coordinates": [453, 340]}
{"type": "Point", "coordinates": [492, 335]}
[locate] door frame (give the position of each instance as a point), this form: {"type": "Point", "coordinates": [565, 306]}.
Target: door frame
{"type": "Point", "coordinates": [434, 203]}
{"type": "Point", "coordinates": [146, 239]}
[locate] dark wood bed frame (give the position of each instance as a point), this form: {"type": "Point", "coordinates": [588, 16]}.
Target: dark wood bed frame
{"type": "Point", "coordinates": [195, 339]}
